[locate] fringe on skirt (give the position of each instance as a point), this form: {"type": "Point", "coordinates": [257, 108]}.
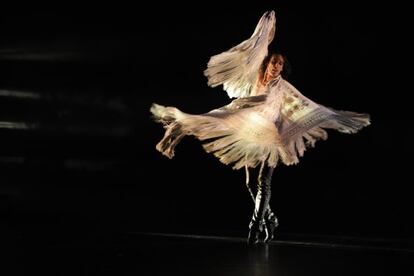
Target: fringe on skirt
{"type": "Point", "coordinates": [246, 139]}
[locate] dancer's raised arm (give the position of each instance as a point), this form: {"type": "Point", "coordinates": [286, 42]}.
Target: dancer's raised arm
{"type": "Point", "coordinates": [238, 68]}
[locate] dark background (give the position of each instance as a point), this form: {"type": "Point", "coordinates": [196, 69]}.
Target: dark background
{"type": "Point", "coordinates": [77, 154]}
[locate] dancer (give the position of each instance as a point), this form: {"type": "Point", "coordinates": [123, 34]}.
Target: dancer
{"type": "Point", "coordinates": [269, 121]}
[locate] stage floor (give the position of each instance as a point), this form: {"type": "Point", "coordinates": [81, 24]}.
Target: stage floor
{"type": "Point", "coordinates": [168, 254]}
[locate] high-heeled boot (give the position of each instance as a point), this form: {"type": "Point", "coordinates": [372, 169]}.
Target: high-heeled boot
{"type": "Point", "coordinates": [262, 199]}
{"type": "Point", "coordinates": [270, 224]}
{"type": "Point", "coordinates": [255, 230]}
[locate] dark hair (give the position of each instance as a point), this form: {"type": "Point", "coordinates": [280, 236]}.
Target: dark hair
{"type": "Point", "coordinates": [287, 68]}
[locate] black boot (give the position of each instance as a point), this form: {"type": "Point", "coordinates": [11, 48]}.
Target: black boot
{"type": "Point", "coordinates": [270, 223]}
{"type": "Point", "coordinates": [255, 231]}
{"type": "Point", "coordinates": [266, 228]}
{"type": "Point", "coordinates": [262, 199]}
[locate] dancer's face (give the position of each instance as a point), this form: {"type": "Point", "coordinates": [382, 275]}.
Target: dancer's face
{"type": "Point", "coordinates": [275, 66]}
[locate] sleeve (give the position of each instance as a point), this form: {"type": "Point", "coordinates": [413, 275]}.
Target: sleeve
{"type": "Point", "coordinates": [238, 68]}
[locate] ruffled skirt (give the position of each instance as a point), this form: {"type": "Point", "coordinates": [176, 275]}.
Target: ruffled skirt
{"type": "Point", "coordinates": [240, 136]}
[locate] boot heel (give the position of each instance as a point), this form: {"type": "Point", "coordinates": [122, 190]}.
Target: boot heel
{"type": "Point", "coordinates": [271, 223]}
{"type": "Point", "coordinates": [255, 229]}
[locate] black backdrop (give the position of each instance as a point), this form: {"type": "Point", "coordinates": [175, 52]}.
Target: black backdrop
{"type": "Point", "coordinates": [78, 151]}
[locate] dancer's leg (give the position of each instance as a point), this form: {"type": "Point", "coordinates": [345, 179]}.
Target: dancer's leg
{"type": "Point", "coordinates": [270, 220]}
{"type": "Point", "coordinates": [261, 203]}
